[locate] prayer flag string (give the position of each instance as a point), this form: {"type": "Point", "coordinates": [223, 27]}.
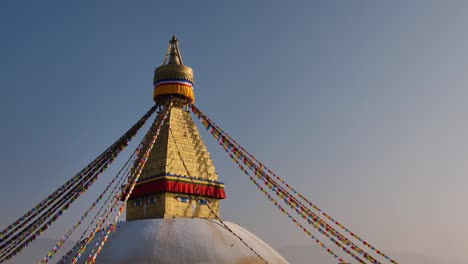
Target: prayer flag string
{"type": "Point", "coordinates": [292, 202]}
{"type": "Point", "coordinates": [117, 147]}
{"type": "Point", "coordinates": [288, 202]}
{"type": "Point", "coordinates": [110, 208]}
{"type": "Point", "coordinates": [146, 147]}
{"type": "Point", "coordinates": [211, 210]}
{"type": "Point", "coordinates": [106, 204]}
{"type": "Point", "coordinates": [271, 199]}
{"type": "Point", "coordinates": [127, 136]}
{"type": "Point", "coordinates": [22, 221]}
{"type": "Point", "coordinates": [31, 228]}
{"type": "Point", "coordinates": [215, 133]}
{"type": "Point", "coordinates": [65, 203]}
{"type": "Point", "coordinates": [239, 152]}
{"type": "Point", "coordinates": [220, 135]}
{"type": "Point", "coordinates": [121, 175]}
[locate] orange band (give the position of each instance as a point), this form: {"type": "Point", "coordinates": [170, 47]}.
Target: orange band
{"type": "Point", "coordinates": [179, 89]}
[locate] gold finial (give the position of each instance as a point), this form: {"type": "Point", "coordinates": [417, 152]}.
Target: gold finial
{"type": "Point", "coordinates": [173, 53]}
{"type": "Point", "coordinates": [173, 77]}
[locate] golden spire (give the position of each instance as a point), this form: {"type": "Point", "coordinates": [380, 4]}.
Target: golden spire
{"type": "Point", "coordinates": [173, 52]}
{"type": "Point", "coordinates": [173, 78]}
{"type": "Point", "coordinates": [179, 178]}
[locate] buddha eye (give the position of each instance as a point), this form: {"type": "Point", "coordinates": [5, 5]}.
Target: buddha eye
{"type": "Point", "coordinates": [203, 201]}
{"type": "Point", "coordinates": [183, 199]}
{"type": "Point", "coordinates": [152, 200]}
{"type": "Point", "coordinates": [137, 203]}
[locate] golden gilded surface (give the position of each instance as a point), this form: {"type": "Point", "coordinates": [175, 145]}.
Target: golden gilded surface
{"type": "Point", "coordinates": [173, 71]}
{"type": "Point", "coordinates": [166, 205]}
{"type": "Point", "coordinates": [165, 159]}
{"type": "Point", "coordinates": [192, 208]}
{"type": "Point", "coordinates": [179, 140]}
{"type": "Point", "coordinates": [146, 208]}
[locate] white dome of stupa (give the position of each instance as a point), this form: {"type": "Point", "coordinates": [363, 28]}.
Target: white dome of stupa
{"type": "Point", "coordinates": [182, 240]}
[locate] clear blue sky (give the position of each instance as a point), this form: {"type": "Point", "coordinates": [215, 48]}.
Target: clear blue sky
{"type": "Point", "coordinates": [362, 105]}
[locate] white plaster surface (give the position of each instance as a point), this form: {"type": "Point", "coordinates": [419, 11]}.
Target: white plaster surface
{"type": "Point", "coordinates": [182, 240]}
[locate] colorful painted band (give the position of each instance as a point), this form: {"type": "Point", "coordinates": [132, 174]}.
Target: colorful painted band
{"type": "Point", "coordinates": [182, 178]}
{"type": "Point", "coordinates": [174, 89]}
{"type": "Point", "coordinates": [173, 81]}
{"type": "Point", "coordinates": [178, 187]}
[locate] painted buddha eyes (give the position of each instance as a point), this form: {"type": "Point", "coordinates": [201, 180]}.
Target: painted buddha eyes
{"type": "Point", "coordinates": [183, 199]}
{"type": "Point", "coordinates": [150, 200]}
{"type": "Point", "coordinates": [203, 201]}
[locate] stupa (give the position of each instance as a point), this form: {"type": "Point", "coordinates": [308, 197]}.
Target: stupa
{"type": "Point", "coordinates": [172, 215]}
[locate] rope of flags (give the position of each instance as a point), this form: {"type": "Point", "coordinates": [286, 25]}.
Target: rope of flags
{"type": "Point", "coordinates": [145, 148]}
{"type": "Point", "coordinates": [311, 217]}
{"type": "Point", "coordinates": [13, 242]}
{"type": "Point", "coordinates": [238, 153]}
{"type": "Point", "coordinates": [70, 195]}
{"type": "Point", "coordinates": [208, 123]}
{"type": "Point", "coordinates": [90, 171]}
{"type": "Point", "coordinates": [33, 226]}
{"type": "Point", "coordinates": [252, 166]}
{"type": "Point", "coordinates": [312, 223]}
{"type": "Point", "coordinates": [97, 228]}
{"type": "Point", "coordinates": [120, 176]}
{"type": "Point", "coordinates": [55, 212]}
{"type": "Point", "coordinates": [106, 204]}
{"type": "Point", "coordinates": [271, 199]}
{"type": "Point", "coordinates": [26, 217]}
{"type": "Point", "coordinates": [110, 208]}
{"type": "Point", "coordinates": [22, 221]}
{"type": "Point", "coordinates": [275, 188]}
{"type": "Point", "coordinates": [211, 210]}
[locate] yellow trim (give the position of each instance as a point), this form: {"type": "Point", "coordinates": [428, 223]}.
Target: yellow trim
{"type": "Point", "coordinates": [179, 89]}
{"type": "Point", "coordinates": [175, 178]}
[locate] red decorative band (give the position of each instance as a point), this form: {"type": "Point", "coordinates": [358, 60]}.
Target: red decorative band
{"type": "Point", "coordinates": [178, 187]}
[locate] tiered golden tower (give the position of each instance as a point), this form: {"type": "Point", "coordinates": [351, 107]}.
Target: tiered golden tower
{"type": "Point", "coordinates": [179, 179]}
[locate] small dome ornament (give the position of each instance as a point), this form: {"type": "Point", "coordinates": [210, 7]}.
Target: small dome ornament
{"type": "Point", "coordinates": [173, 78]}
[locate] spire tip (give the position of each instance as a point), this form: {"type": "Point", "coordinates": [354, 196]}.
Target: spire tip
{"type": "Point", "coordinates": [173, 40]}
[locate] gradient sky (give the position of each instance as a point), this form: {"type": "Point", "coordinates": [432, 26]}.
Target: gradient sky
{"type": "Point", "coordinates": [361, 105]}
